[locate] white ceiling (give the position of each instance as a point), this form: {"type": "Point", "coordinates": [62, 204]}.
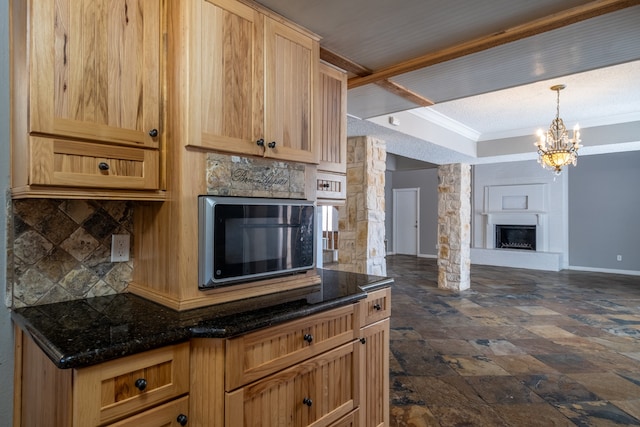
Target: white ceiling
{"type": "Point", "coordinates": [488, 97]}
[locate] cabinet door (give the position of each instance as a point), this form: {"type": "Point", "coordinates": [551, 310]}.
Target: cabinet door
{"type": "Point", "coordinates": [95, 69]}
{"type": "Point", "coordinates": [333, 119]}
{"type": "Point", "coordinates": [316, 392]}
{"type": "Point", "coordinates": [374, 374]}
{"type": "Point", "coordinates": [291, 78]}
{"type": "Point", "coordinates": [226, 86]}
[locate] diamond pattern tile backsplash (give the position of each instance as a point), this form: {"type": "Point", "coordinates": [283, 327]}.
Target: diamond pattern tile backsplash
{"type": "Point", "coordinates": [62, 248]}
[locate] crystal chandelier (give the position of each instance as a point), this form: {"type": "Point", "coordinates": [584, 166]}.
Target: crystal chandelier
{"type": "Point", "coordinates": [555, 148]}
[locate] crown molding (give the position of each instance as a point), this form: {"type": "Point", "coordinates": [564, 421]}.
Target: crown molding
{"type": "Point", "coordinates": [446, 122]}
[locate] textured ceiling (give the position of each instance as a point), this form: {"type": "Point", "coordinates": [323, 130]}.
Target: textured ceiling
{"type": "Point", "coordinates": [500, 92]}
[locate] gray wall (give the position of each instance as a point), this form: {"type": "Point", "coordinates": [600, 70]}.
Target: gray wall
{"type": "Point", "coordinates": [427, 181]}
{"type": "Point", "coordinates": [604, 207]}
{"type": "Point", "coordinates": [388, 208]}
{"type": "Point", "coordinates": [6, 332]}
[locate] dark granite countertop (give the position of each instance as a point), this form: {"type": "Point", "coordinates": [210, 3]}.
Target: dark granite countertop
{"type": "Point", "coordinates": [84, 332]}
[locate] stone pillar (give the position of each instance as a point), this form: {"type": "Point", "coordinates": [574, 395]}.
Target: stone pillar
{"type": "Point", "coordinates": [361, 219]}
{"type": "Point", "coordinates": [454, 227]}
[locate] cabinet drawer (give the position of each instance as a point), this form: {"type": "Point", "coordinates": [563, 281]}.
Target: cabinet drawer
{"type": "Point", "coordinates": [167, 415]}
{"type": "Point", "coordinates": [258, 354]}
{"type": "Point", "coordinates": [376, 306]}
{"type": "Point", "coordinates": [112, 390]}
{"type": "Point", "coordinates": [63, 163]}
{"type": "Point", "coordinates": [316, 392]}
{"type": "Point", "coordinates": [331, 186]}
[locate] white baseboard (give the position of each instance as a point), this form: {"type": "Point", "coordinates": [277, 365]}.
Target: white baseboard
{"type": "Point", "coordinates": [427, 256]}
{"type": "Point", "coordinates": [604, 270]}
{"type": "Point", "coordinates": [549, 261]}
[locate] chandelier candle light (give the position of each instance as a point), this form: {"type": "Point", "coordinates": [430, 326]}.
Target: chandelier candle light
{"type": "Point", "coordinates": [555, 148]}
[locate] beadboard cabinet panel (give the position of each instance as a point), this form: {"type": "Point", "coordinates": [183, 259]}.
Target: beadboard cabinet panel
{"type": "Point", "coordinates": [316, 392]}
{"type": "Point", "coordinates": [333, 119]}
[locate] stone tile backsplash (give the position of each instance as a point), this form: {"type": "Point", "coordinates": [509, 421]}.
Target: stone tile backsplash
{"type": "Point", "coordinates": [61, 249]}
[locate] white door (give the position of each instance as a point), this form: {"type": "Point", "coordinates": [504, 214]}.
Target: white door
{"type": "Point", "coordinates": [405, 220]}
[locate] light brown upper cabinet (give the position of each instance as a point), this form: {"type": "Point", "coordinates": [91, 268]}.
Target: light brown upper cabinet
{"type": "Point", "coordinates": [249, 80]}
{"type": "Point", "coordinates": [333, 119]}
{"type": "Point", "coordinates": [86, 71]}
{"type": "Point", "coordinates": [331, 180]}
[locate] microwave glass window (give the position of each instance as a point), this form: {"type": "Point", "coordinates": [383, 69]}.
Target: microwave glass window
{"type": "Point", "coordinates": [255, 239]}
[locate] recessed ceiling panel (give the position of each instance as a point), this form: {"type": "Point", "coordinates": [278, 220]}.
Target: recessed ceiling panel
{"type": "Point", "coordinates": [603, 41]}
{"type": "Point", "coordinates": [379, 33]}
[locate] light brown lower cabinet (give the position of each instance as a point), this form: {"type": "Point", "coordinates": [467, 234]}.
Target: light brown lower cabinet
{"type": "Point", "coordinates": [151, 387]}
{"type": "Point", "coordinates": [374, 398]}
{"type": "Point", "coordinates": [316, 392]}
{"type": "Point", "coordinates": [328, 369]}
{"type": "Point", "coordinates": [163, 415]}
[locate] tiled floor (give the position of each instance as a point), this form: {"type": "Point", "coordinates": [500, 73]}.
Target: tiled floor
{"type": "Point", "coordinates": [520, 348]}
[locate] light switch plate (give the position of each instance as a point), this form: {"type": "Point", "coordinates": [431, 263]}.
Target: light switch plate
{"type": "Point", "coordinates": [119, 247]}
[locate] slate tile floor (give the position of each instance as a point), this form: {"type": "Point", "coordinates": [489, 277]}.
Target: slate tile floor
{"type": "Point", "coordinates": [520, 348]}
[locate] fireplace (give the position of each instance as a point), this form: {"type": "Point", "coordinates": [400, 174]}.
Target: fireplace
{"type": "Point", "coordinates": [516, 237]}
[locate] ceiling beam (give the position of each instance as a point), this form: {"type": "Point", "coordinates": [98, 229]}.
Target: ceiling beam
{"type": "Point", "coordinates": [405, 93]}
{"type": "Point", "coordinates": [357, 69]}
{"type": "Point", "coordinates": [537, 26]}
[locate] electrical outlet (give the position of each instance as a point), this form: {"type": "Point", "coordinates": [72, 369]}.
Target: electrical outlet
{"type": "Point", "coordinates": [619, 257]}
{"type": "Point", "coordinates": [119, 247]}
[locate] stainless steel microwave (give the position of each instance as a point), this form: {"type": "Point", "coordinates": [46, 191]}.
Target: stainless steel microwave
{"type": "Point", "coordinates": [243, 239]}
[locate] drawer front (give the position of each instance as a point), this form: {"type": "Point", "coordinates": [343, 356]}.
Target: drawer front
{"type": "Point", "coordinates": [376, 306]}
{"type": "Point", "coordinates": [317, 392]}
{"type": "Point", "coordinates": [83, 164]}
{"type": "Point", "coordinates": [113, 390]}
{"type": "Point", "coordinates": [331, 186]}
{"type": "Point", "coordinates": [258, 354]}
{"type": "Point", "coordinates": [172, 414]}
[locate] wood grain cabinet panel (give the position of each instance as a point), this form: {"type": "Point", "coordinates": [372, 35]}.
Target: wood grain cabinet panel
{"type": "Point", "coordinates": [257, 354]}
{"type": "Point", "coordinates": [112, 390]}
{"type": "Point", "coordinates": [172, 414]}
{"type": "Point", "coordinates": [333, 119]}
{"type": "Point", "coordinates": [95, 69]}
{"type": "Point", "coordinates": [89, 72]}
{"type": "Point", "coordinates": [349, 420]}
{"type": "Point", "coordinates": [291, 78]}
{"type": "Point", "coordinates": [316, 392]}
{"type": "Point", "coordinates": [374, 363]}
{"type": "Point", "coordinates": [225, 90]}
{"type": "Point", "coordinates": [374, 409]}
{"type": "Point", "coordinates": [331, 186]}
{"type": "Point", "coordinates": [376, 306]}
{"type": "Point", "coordinates": [251, 80]}
{"type": "Point", "coordinates": [100, 394]}
{"type": "Point", "coordinates": [82, 164]}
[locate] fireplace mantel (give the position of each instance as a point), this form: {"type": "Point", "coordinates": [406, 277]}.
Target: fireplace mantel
{"type": "Point", "coordinates": [515, 217]}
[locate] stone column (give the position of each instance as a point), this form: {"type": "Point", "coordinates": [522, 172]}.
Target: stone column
{"type": "Point", "coordinates": [454, 226]}
{"type": "Point", "coordinates": [361, 219]}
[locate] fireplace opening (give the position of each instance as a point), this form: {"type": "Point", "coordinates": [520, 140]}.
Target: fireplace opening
{"type": "Point", "coordinates": [516, 237]}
